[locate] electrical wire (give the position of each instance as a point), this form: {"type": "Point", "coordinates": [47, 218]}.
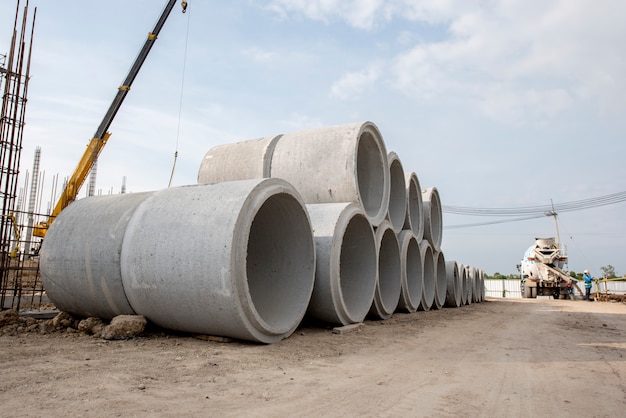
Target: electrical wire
{"type": "Point", "coordinates": [539, 210]}
{"type": "Point", "coordinates": [180, 104]}
{"type": "Point", "coordinates": [530, 212]}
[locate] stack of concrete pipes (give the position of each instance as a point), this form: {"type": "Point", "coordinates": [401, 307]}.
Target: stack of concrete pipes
{"type": "Point", "coordinates": [323, 223]}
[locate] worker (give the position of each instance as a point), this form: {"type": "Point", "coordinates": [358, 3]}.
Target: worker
{"type": "Point", "coordinates": [587, 279]}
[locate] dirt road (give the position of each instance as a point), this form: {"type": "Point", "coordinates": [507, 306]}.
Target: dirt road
{"type": "Point", "coordinates": [494, 359]}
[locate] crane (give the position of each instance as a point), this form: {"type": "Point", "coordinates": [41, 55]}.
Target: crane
{"type": "Point", "coordinates": [100, 138]}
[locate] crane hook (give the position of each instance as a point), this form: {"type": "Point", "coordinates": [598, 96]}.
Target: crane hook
{"type": "Point", "coordinates": [184, 5]}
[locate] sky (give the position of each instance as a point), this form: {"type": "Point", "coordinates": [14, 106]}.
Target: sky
{"type": "Point", "coordinates": [497, 104]}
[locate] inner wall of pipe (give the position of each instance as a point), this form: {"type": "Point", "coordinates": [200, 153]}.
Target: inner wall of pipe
{"type": "Point", "coordinates": [280, 234]}
{"type": "Point", "coordinates": [414, 212]}
{"type": "Point", "coordinates": [414, 272]}
{"type": "Point", "coordinates": [441, 279]}
{"type": "Point", "coordinates": [389, 271]}
{"type": "Point", "coordinates": [429, 277]}
{"type": "Point", "coordinates": [397, 195]}
{"type": "Point", "coordinates": [357, 267]}
{"type": "Point", "coordinates": [371, 174]}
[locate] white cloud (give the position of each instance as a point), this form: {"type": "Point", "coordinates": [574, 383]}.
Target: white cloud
{"type": "Point", "coordinates": [352, 85]}
{"type": "Point", "coordinates": [535, 61]}
{"type": "Point", "coordinates": [258, 54]}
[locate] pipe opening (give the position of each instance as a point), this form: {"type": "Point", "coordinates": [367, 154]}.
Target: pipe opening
{"type": "Point", "coordinates": [397, 197]}
{"type": "Point", "coordinates": [389, 271]}
{"type": "Point", "coordinates": [429, 277]}
{"type": "Point", "coordinates": [414, 272]}
{"type": "Point", "coordinates": [370, 174]}
{"type": "Point", "coordinates": [357, 267]}
{"type": "Point", "coordinates": [280, 261]}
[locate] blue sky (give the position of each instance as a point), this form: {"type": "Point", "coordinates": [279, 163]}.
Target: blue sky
{"type": "Point", "coordinates": [495, 103]}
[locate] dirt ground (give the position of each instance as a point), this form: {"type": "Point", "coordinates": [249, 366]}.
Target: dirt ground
{"type": "Point", "coordinates": [494, 359]}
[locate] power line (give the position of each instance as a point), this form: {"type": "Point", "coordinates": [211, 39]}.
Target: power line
{"type": "Point", "coordinates": [523, 213]}
{"type": "Point", "coordinates": [543, 210]}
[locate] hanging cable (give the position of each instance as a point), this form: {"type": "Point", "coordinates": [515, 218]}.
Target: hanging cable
{"type": "Point", "coordinates": [539, 210]}
{"type": "Point", "coordinates": [531, 212]}
{"type": "Point", "coordinates": [180, 104]}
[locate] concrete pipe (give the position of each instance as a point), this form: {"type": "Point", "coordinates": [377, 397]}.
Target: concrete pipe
{"type": "Point", "coordinates": [235, 259]}
{"type": "Point", "coordinates": [412, 276]}
{"type": "Point", "coordinates": [464, 284]}
{"type": "Point", "coordinates": [346, 163]}
{"type": "Point", "coordinates": [441, 280]}
{"type": "Point", "coordinates": [388, 283]}
{"type": "Point", "coordinates": [397, 211]}
{"type": "Point", "coordinates": [476, 285]}
{"type": "Point", "coordinates": [469, 277]}
{"type": "Point", "coordinates": [454, 281]}
{"type": "Point", "coordinates": [480, 288]}
{"type": "Point", "coordinates": [346, 268]}
{"type": "Point", "coordinates": [428, 265]}
{"type": "Point", "coordinates": [433, 224]}
{"type": "Point", "coordinates": [415, 207]}
{"type": "Point", "coordinates": [238, 161]}
{"type": "Point", "coordinates": [80, 257]}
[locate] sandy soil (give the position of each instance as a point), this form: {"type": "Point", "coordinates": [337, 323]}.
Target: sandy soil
{"type": "Point", "coordinates": [494, 359]}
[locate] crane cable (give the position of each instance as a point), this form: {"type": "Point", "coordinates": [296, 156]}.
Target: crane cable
{"type": "Point", "coordinates": [180, 104]}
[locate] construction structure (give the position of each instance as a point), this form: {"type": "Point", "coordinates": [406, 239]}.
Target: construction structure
{"type": "Point", "coordinates": [19, 273]}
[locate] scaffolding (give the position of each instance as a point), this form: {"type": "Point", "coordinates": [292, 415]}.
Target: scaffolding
{"type": "Point", "coordinates": [20, 284]}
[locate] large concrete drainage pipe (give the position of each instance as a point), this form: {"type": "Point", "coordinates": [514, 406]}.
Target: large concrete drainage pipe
{"type": "Point", "coordinates": [346, 163]}
{"type": "Point", "coordinates": [412, 279]}
{"type": "Point", "coordinates": [238, 161]}
{"type": "Point", "coordinates": [469, 289]}
{"type": "Point", "coordinates": [235, 259]}
{"type": "Point", "coordinates": [433, 223]}
{"type": "Point", "coordinates": [454, 285]}
{"type": "Point", "coordinates": [347, 265]}
{"type": "Point", "coordinates": [396, 213]}
{"type": "Point", "coordinates": [464, 284]}
{"type": "Point", "coordinates": [80, 257]}
{"type": "Point", "coordinates": [441, 280]}
{"type": "Point", "coordinates": [388, 283]}
{"type": "Point", "coordinates": [415, 207]}
{"type": "Point", "coordinates": [428, 293]}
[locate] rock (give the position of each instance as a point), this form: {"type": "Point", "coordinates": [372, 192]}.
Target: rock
{"type": "Point", "coordinates": [8, 317]}
{"type": "Point", "coordinates": [91, 325]}
{"type": "Point", "coordinates": [124, 327]}
{"type": "Point", "coordinates": [63, 320]}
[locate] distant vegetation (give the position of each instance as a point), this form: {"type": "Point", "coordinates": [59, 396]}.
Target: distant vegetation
{"type": "Point", "coordinates": [608, 271]}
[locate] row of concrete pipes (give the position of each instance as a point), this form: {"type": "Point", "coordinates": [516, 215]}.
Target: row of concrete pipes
{"type": "Point", "coordinates": [323, 223]}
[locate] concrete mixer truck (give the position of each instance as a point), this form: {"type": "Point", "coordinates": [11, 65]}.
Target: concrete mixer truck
{"type": "Point", "coordinates": [542, 271]}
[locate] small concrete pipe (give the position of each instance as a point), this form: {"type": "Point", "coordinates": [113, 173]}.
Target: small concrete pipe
{"type": "Point", "coordinates": [476, 285]}
{"type": "Point", "coordinates": [433, 224]}
{"type": "Point", "coordinates": [347, 265]}
{"type": "Point", "coordinates": [480, 288]}
{"type": "Point", "coordinates": [464, 284]}
{"type": "Point", "coordinates": [238, 161]}
{"type": "Point", "coordinates": [454, 285]}
{"type": "Point", "coordinates": [388, 283]}
{"type": "Point", "coordinates": [80, 257]}
{"type": "Point", "coordinates": [397, 212]}
{"type": "Point", "coordinates": [415, 207]}
{"type": "Point", "coordinates": [412, 275]}
{"type": "Point", "coordinates": [235, 259]}
{"type": "Point", "coordinates": [428, 291]}
{"type": "Point", "coordinates": [469, 277]}
{"type": "Point", "coordinates": [441, 280]}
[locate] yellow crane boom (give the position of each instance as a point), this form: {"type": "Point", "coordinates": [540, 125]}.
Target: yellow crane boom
{"type": "Point", "coordinates": [99, 140]}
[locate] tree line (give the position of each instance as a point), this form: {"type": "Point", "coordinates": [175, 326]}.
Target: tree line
{"type": "Point", "coordinates": [608, 272]}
